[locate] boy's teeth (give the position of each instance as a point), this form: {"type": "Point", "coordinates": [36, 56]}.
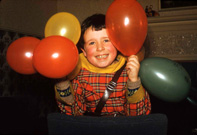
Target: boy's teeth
{"type": "Point", "coordinates": [101, 56]}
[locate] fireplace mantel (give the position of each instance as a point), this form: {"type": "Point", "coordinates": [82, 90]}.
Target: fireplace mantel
{"type": "Point", "coordinates": [172, 37]}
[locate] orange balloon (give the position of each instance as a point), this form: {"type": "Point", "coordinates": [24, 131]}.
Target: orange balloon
{"type": "Point", "coordinates": [20, 55]}
{"type": "Point", "coordinates": [55, 57]}
{"type": "Point", "coordinates": [126, 25]}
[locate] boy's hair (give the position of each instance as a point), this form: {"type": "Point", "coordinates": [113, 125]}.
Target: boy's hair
{"type": "Point", "coordinates": [96, 21]}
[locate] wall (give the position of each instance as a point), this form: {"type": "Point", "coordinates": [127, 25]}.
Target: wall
{"type": "Point", "coordinates": [83, 8]}
{"type": "Point", "coordinates": [26, 16]}
{"type": "Point", "coordinates": [30, 16]}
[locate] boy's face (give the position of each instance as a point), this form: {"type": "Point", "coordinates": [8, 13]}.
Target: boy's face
{"type": "Point", "coordinates": [98, 49]}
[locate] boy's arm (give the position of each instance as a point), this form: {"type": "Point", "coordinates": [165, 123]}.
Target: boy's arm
{"type": "Point", "coordinates": [138, 100]}
{"type": "Point", "coordinates": [135, 91]}
{"type": "Point", "coordinates": [64, 92]}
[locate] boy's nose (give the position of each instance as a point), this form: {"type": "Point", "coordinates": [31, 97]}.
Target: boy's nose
{"type": "Point", "coordinates": [100, 47]}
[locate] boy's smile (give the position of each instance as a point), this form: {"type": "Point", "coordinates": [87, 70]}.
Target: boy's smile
{"type": "Point", "coordinates": [102, 56]}
{"type": "Point", "coordinates": [98, 49]}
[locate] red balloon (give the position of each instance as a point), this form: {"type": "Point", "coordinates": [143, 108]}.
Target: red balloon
{"type": "Point", "coordinates": [126, 25]}
{"type": "Point", "coordinates": [55, 57]}
{"type": "Point", "coordinates": [20, 54]}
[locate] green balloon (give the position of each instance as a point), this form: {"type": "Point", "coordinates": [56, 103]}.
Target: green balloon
{"type": "Point", "coordinates": [191, 97]}
{"type": "Point", "coordinates": [165, 79]}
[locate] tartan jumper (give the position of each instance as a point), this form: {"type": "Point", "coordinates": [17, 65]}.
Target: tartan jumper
{"type": "Point", "coordinates": [89, 87]}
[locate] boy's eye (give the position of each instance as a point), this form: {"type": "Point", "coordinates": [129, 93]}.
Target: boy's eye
{"type": "Point", "coordinates": [91, 43]}
{"type": "Point", "coordinates": [106, 40]}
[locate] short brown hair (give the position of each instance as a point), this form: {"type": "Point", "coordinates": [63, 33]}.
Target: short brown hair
{"type": "Point", "coordinates": [96, 21]}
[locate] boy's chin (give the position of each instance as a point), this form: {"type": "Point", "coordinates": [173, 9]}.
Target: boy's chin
{"type": "Point", "coordinates": [102, 65]}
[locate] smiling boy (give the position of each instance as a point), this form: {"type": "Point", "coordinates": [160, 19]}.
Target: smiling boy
{"type": "Point", "coordinates": [100, 61]}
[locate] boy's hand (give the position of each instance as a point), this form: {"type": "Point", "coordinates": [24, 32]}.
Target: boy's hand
{"type": "Point", "coordinates": [133, 67]}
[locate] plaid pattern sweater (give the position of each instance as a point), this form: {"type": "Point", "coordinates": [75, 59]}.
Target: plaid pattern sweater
{"type": "Point", "coordinates": [89, 87]}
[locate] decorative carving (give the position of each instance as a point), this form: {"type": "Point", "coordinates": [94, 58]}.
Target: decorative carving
{"type": "Point", "coordinates": [172, 44]}
{"type": "Point", "coordinates": [174, 39]}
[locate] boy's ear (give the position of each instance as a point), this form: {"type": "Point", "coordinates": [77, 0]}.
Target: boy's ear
{"type": "Point", "coordinates": [84, 52]}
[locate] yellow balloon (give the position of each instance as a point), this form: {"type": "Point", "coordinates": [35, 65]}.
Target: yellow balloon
{"type": "Point", "coordinates": [63, 24]}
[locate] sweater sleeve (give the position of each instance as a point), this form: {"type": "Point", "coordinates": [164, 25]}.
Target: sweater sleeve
{"type": "Point", "coordinates": [64, 92]}
{"type": "Point", "coordinates": [142, 107]}
{"type": "Point", "coordinates": [138, 100]}
{"type": "Point", "coordinates": [64, 97]}
{"type": "Point", "coordinates": [134, 92]}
